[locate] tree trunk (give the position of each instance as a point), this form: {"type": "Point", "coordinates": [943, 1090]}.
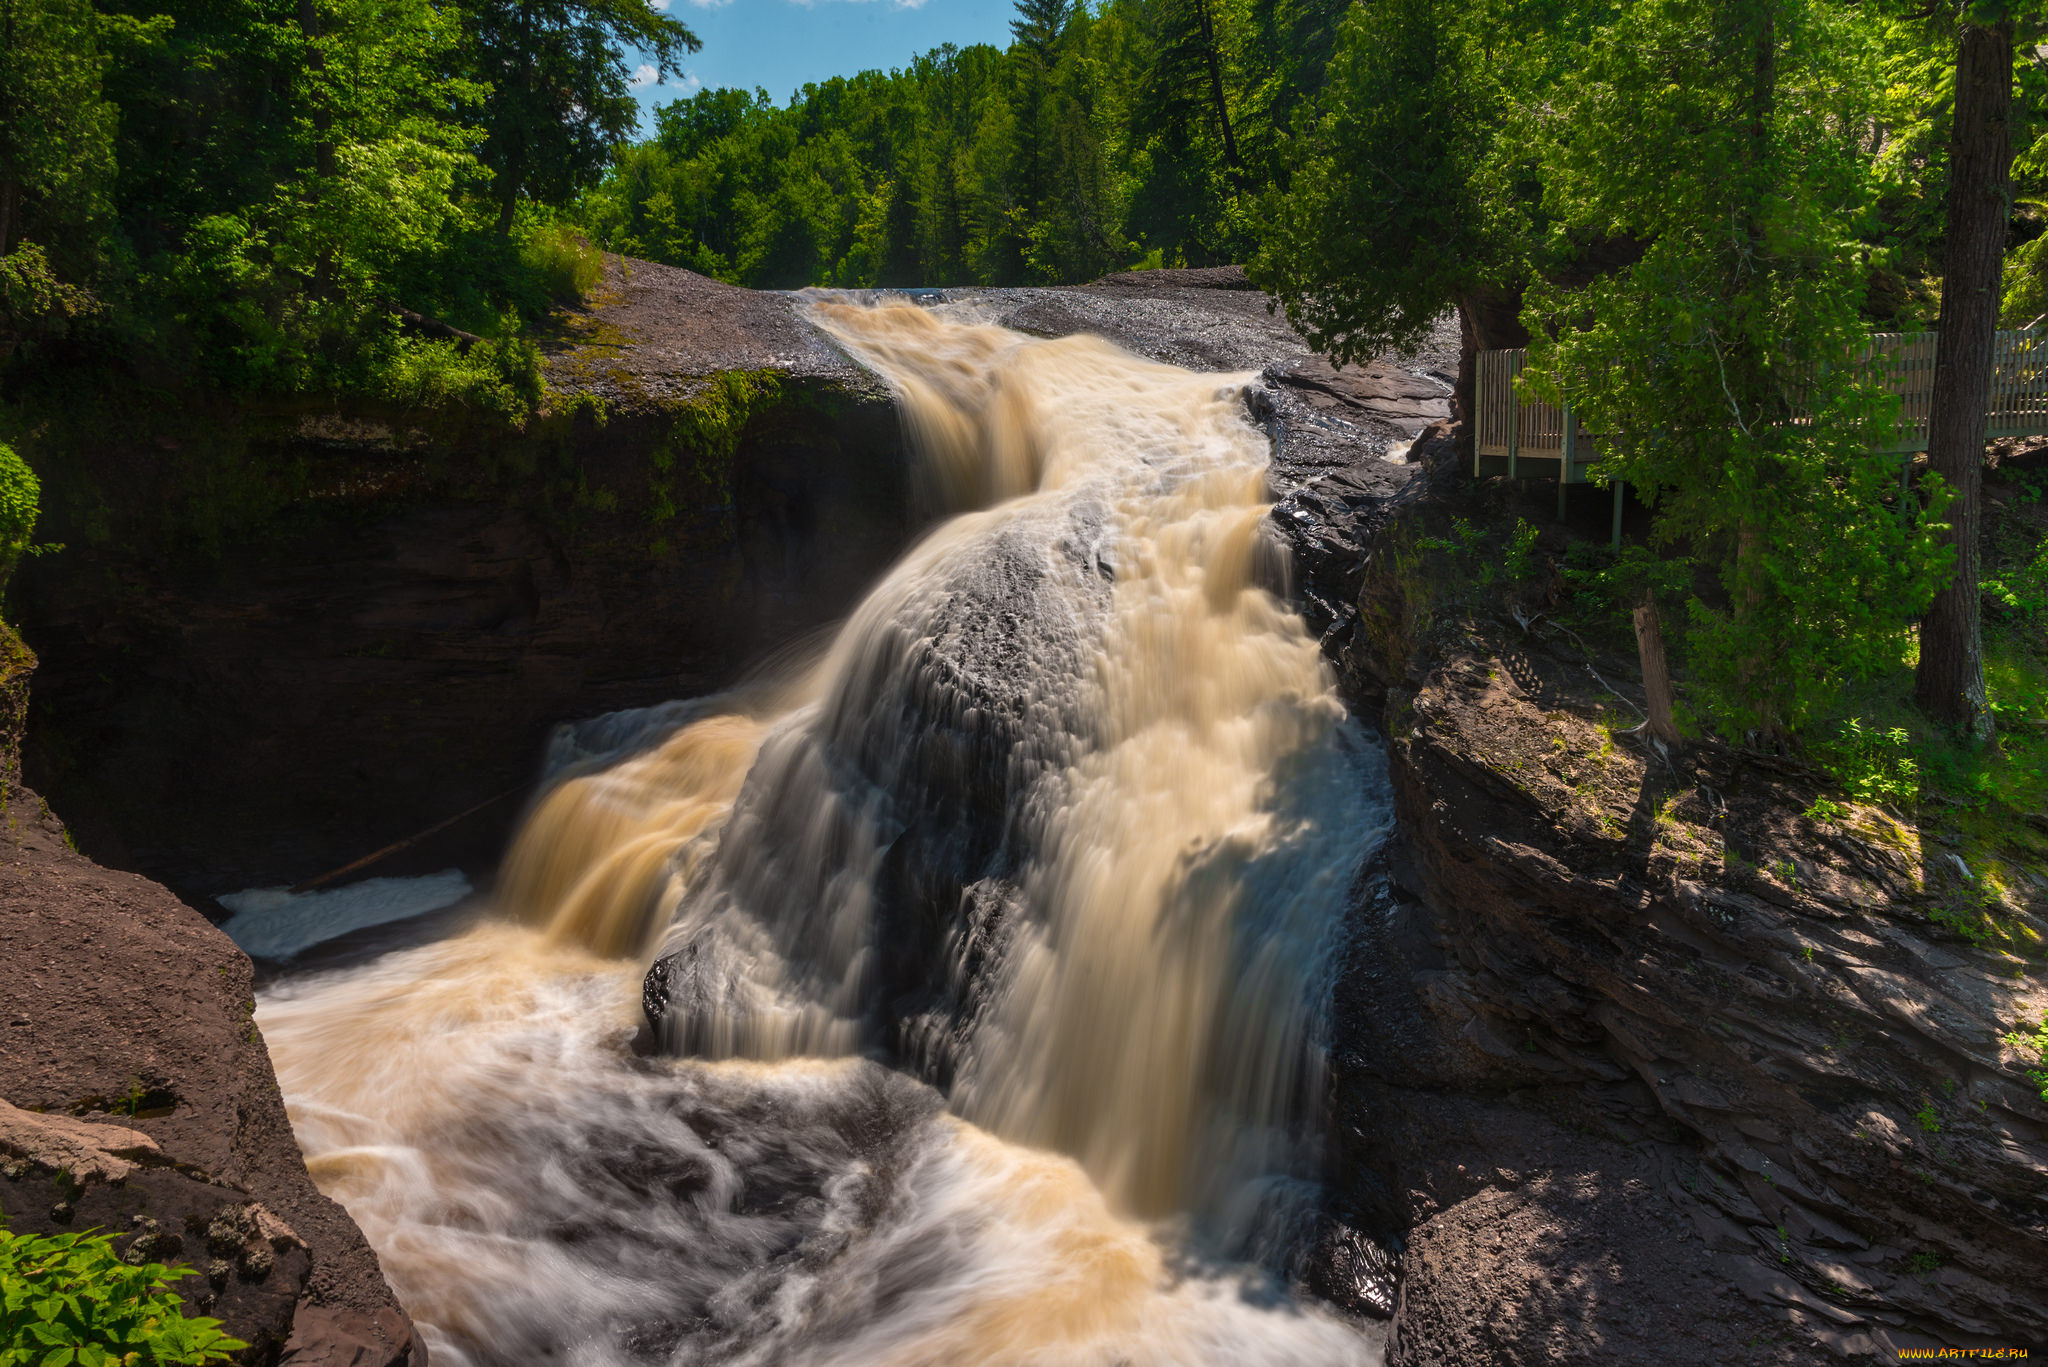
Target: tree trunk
{"type": "Point", "coordinates": [1210, 55]}
{"type": "Point", "coordinates": [508, 188]}
{"type": "Point", "coordinates": [1656, 673]}
{"type": "Point", "coordinates": [10, 197]}
{"type": "Point", "coordinates": [1950, 684]}
{"type": "Point", "coordinates": [323, 140]}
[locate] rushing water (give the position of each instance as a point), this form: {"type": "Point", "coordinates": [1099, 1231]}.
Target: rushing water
{"type": "Point", "coordinates": [1065, 819]}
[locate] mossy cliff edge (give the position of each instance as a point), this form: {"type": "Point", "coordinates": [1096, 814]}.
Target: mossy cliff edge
{"type": "Point", "coordinates": [276, 638]}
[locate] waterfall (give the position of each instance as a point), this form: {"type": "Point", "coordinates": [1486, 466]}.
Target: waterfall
{"type": "Point", "coordinates": [1063, 822]}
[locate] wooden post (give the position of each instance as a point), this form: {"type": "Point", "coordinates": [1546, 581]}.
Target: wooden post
{"type": "Point", "coordinates": [1656, 675]}
{"type": "Point", "coordinates": [1564, 459]}
{"type": "Point", "coordinates": [1514, 423]}
{"type": "Point", "coordinates": [1614, 542]}
{"type": "Point", "coordinates": [1482, 372]}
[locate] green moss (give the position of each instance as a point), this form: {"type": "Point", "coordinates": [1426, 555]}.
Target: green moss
{"type": "Point", "coordinates": [693, 464]}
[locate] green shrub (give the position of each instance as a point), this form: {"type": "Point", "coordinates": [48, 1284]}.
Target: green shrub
{"type": "Point", "coordinates": [70, 1299]}
{"type": "Point", "coordinates": [1476, 553]}
{"type": "Point", "coordinates": [19, 494]}
{"type": "Point", "coordinates": [496, 377]}
{"type": "Point", "coordinates": [2035, 1039]}
{"type": "Point", "coordinates": [567, 265]}
{"type": "Point", "coordinates": [2021, 592]}
{"type": "Point", "coordinates": [1605, 582]}
{"type": "Point", "coordinates": [1872, 765]}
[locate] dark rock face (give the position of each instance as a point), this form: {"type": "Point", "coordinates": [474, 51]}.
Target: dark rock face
{"type": "Point", "coordinates": [1646, 1065]}
{"type": "Point", "coordinates": [392, 648]}
{"type": "Point", "coordinates": [140, 1102]}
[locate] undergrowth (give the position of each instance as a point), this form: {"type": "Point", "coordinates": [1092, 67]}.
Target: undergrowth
{"type": "Point", "coordinates": [1982, 809]}
{"type": "Point", "coordinates": [2034, 1040]}
{"type": "Point", "coordinates": [70, 1299]}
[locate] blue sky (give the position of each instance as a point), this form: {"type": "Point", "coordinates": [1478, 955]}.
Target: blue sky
{"type": "Point", "coordinates": [781, 44]}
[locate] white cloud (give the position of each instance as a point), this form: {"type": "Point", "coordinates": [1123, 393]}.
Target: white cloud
{"type": "Point", "coordinates": [657, 4]}
{"type": "Point", "coordinates": [645, 75]}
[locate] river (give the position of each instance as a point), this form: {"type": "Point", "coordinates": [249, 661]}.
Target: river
{"type": "Point", "coordinates": [990, 943]}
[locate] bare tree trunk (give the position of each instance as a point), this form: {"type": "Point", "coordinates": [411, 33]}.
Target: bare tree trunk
{"type": "Point", "coordinates": [323, 145]}
{"type": "Point", "coordinates": [1656, 673]}
{"type": "Point", "coordinates": [10, 196]}
{"type": "Point", "coordinates": [1215, 62]}
{"type": "Point", "coordinates": [508, 189]}
{"type": "Point", "coordinates": [1950, 684]}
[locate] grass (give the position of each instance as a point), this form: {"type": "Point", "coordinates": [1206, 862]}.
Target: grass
{"type": "Point", "coordinates": [2035, 1040]}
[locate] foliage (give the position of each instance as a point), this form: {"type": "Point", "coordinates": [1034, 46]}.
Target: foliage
{"type": "Point", "coordinates": [1488, 556]}
{"type": "Point", "coordinates": [1871, 765]}
{"type": "Point", "coordinates": [69, 1298]}
{"type": "Point", "coordinates": [1825, 812]}
{"type": "Point", "coordinates": [56, 130]}
{"type": "Point", "coordinates": [556, 98]}
{"type": "Point", "coordinates": [561, 261]}
{"type": "Point", "coordinates": [19, 493]}
{"type": "Point", "coordinates": [1133, 132]}
{"type": "Point", "coordinates": [2035, 1040]}
{"type": "Point", "coordinates": [1608, 584]}
{"type": "Point", "coordinates": [1724, 139]}
{"type": "Point", "coordinates": [33, 301]}
{"type": "Point", "coordinates": [2020, 592]}
{"type": "Point", "coordinates": [248, 197]}
{"type": "Point", "coordinates": [1404, 192]}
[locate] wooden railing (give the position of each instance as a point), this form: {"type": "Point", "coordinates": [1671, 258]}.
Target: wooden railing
{"type": "Point", "coordinates": [1513, 429]}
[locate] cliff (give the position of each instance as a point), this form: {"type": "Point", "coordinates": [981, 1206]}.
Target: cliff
{"type": "Point", "coordinates": [1658, 1060]}
{"type": "Point", "coordinates": [276, 641]}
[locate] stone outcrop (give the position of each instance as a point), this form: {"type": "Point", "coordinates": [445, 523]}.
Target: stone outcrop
{"type": "Point", "coordinates": [1619, 1025]}
{"type": "Point", "coordinates": [136, 1099]}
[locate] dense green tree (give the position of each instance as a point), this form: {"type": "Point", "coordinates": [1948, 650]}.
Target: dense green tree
{"type": "Point", "coordinates": [1057, 159]}
{"type": "Point", "coordinates": [56, 163]}
{"type": "Point", "coordinates": [560, 96]}
{"type": "Point", "coordinates": [1407, 191]}
{"type": "Point", "coordinates": [1729, 140]}
{"type": "Point", "coordinates": [56, 128]}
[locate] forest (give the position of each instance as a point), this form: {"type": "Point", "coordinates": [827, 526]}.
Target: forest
{"type": "Point", "coordinates": [383, 200]}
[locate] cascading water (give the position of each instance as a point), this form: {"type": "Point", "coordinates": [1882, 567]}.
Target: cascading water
{"type": "Point", "coordinates": [1065, 819]}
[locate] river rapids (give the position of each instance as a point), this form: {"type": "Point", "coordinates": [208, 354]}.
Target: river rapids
{"type": "Point", "coordinates": [950, 996]}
